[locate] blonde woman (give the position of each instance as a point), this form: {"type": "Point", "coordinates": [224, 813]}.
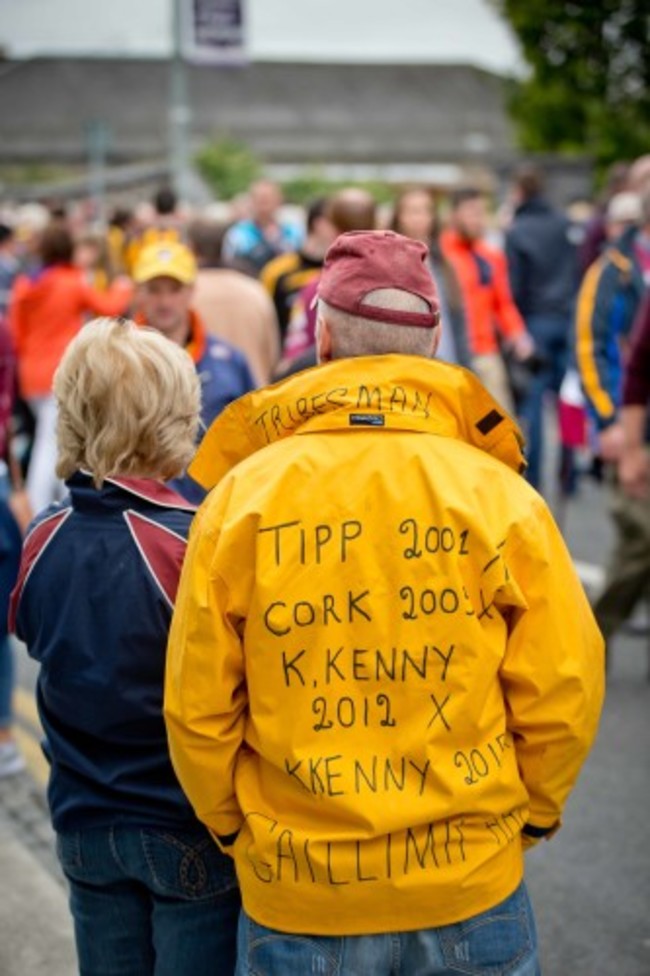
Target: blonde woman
{"type": "Point", "coordinates": [150, 892]}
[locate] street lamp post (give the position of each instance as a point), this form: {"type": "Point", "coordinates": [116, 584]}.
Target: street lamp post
{"type": "Point", "coordinates": [97, 142]}
{"type": "Point", "coordinates": [179, 109]}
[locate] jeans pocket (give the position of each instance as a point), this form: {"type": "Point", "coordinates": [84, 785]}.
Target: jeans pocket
{"type": "Point", "coordinates": [187, 864]}
{"type": "Point", "coordinates": [68, 850]}
{"type": "Point", "coordinates": [272, 953]}
{"type": "Point", "coordinates": [494, 943]}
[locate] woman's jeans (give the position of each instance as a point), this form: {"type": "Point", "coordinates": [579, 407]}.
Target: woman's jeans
{"type": "Point", "coordinates": [499, 942]}
{"type": "Point", "coordinates": [150, 901]}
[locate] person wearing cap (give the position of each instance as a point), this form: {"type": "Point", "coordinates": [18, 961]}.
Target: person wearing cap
{"type": "Point", "coordinates": [383, 675]}
{"type": "Point", "coordinates": [165, 275]}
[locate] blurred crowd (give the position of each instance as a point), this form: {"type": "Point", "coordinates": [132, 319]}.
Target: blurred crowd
{"type": "Point", "coordinates": [547, 307]}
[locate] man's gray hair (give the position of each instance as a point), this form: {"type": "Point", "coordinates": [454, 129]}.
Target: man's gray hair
{"type": "Point", "coordinates": [352, 335]}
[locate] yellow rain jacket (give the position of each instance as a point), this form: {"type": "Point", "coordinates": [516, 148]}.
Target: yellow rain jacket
{"type": "Point", "coordinates": [382, 666]}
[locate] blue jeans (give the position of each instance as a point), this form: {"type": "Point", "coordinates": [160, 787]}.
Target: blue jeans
{"type": "Point", "coordinates": [499, 942]}
{"type": "Point", "coordinates": [552, 335]}
{"type": "Point", "coordinates": [150, 901]}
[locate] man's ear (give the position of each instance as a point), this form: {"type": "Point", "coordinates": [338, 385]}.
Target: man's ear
{"type": "Point", "coordinates": [323, 341]}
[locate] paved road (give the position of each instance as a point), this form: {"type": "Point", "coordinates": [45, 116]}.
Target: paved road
{"type": "Point", "coordinates": [591, 885]}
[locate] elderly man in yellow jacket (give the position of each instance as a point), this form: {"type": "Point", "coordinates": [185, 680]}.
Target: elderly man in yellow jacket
{"type": "Point", "coordinates": [383, 674]}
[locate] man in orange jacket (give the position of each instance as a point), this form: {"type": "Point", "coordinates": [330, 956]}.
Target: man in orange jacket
{"type": "Point", "coordinates": [490, 310]}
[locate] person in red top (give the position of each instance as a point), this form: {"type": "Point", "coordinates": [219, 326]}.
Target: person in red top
{"type": "Point", "coordinates": [46, 311]}
{"type": "Point", "coordinates": [489, 307]}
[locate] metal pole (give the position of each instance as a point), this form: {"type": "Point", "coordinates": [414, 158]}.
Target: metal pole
{"type": "Point", "coordinates": [97, 137]}
{"type": "Point", "coordinates": [179, 109]}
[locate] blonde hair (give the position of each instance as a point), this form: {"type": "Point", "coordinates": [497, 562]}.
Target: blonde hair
{"type": "Point", "coordinates": [128, 403]}
{"type": "Point", "coordinates": [354, 336]}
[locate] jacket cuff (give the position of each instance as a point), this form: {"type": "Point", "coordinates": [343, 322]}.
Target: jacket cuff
{"type": "Point", "coordinates": [538, 833]}
{"type": "Point", "coordinates": [603, 423]}
{"type": "Point", "coordinates": [225, 842]}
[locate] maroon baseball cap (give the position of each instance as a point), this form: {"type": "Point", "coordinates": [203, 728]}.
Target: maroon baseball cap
{"type": "Point", "coordinates": [363, 261]}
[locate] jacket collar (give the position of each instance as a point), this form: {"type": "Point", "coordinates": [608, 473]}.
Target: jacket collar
{"type": "Point", "coordinates": [621, 253]}
{"type": "Point", "coordinates": [145, 489]}
{"type": "Point", "coordinates": [535, 205]}
{"type": "Point", "coordinates": [452, 239]}
{"type": "Point", "coordinates": [379, 393]}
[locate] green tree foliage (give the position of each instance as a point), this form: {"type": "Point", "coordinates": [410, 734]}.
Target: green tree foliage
{"type": "Point", "coordinates": [589, 88]}
{"type": "Point", "coordinates": [228, 166]}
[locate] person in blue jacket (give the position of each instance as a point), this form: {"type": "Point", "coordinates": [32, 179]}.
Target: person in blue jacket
{"type": "Point", "coordinates": [150, 892]}
{"type": "Point", "coordinates": [165, 275]}
{"type": "Point", "coordinates": [610, 297]}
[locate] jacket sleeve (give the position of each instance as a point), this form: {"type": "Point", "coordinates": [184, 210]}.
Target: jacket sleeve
{"type": "Point", "coordinates": [509, 321]}
{"type": "Point", "coordinates": [593, 338]}
{"type": "Point", "coordinates": [205, 694]}
{"type": "Point", "coordinates": [553, 670]}
{"type": "Point", "coordinates": [114, 301]}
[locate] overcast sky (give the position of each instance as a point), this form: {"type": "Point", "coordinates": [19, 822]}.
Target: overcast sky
{"type": "Point", "coordinates": [447, 31]}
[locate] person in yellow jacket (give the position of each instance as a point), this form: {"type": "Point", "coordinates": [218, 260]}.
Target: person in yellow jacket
{"type": "Point", "coordinates": [383, 674]}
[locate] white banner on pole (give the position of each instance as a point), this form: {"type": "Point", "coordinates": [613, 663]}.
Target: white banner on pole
{"type": "Point", "coordinates": [214, 31]}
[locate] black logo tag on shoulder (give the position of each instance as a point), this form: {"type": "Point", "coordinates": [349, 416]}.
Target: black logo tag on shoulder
{"type": "Point", "coordinates": [367, 420]}
{"type": "Point", "coordinates": [489, 422]}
